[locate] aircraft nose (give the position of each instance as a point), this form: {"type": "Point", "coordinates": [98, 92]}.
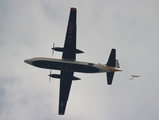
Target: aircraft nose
{"type": "Point", "coordinates": [28, 61]}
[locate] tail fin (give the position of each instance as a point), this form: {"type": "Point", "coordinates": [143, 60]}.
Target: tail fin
{"type": "Point", "coordinates": [112, 62]}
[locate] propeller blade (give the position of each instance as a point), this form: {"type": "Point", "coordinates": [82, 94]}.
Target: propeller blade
{"type": "Point", "coordinates": [50, 76]}
{"type": "Point", "coordinates": [53, 46]}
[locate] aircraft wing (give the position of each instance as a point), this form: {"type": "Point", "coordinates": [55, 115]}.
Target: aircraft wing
{"type": "Point", "coordinates": [65, 85]}
{"type": "Point", "coordinates": [69, 51]}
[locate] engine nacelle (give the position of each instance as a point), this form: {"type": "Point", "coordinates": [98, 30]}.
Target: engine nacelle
{"type": "Point", "coordinates": [59, 77]}
{"type": "Point", "coordinates": [65, 49]}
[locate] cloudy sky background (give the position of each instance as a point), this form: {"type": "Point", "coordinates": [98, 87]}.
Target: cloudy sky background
{"type": "Point", "coordinates": [28, 29]}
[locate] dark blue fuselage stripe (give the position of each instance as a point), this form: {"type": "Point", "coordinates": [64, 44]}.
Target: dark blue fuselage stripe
{"type": "Point", "coordinates": [65, 66]}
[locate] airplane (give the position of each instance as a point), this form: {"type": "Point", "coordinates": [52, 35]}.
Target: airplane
{"type": "Point", "coordinates": [134, 76]}
{"type": "Point", "coordinates": [68, 64]}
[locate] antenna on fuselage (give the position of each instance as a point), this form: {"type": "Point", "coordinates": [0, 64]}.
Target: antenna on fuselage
{"type": "Point", "coordinates": [53, 46]}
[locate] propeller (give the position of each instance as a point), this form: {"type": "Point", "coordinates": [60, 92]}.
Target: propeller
{"type": "Point", "coordinates": [53, 46]}
{"type": "Point", "coordinates": [50, 76]}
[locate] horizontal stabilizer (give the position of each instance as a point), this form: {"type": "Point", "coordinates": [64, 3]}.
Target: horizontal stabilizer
{"type": "Point", "coordinates": [112, 62]}
{"type": "Point", "coordinates": [112, 58]}
{"type": "Point", "coordinates": [110, 76]}
{"type": "Point", "coordinates": [59, 77]}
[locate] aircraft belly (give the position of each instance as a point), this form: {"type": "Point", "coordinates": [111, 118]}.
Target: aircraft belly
{"type": "Point", "coordinates": [58, 65]}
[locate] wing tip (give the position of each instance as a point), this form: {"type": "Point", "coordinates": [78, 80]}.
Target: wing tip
{"type": "Point", "coordinates": [73, 8]}
{"type": "Point", "coordinates": [61, 113]}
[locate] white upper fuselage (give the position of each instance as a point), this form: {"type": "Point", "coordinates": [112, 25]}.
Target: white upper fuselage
{"type": "Point", "coordinates": [69, 65]}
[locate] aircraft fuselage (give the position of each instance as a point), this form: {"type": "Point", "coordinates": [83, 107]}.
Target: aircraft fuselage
{"type": "Point", "coordinates": [69, 65]}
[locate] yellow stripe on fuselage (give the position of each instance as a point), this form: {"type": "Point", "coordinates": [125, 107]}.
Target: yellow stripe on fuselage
{"type": "Point", "coordinates": [111, 68]}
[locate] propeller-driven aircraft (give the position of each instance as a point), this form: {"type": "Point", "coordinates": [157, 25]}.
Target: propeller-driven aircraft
{"type": "Point", "coordinates": [134, 76]}
{"type": "Point", "coordinates": [68, 64]}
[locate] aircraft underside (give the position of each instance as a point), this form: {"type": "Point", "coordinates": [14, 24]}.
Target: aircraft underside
{"type": "Point", "coordinates": [66, 66]}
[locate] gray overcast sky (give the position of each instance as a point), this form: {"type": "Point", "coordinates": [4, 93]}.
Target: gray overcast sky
{"type": "Point", "coordinates": [28, 29]}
